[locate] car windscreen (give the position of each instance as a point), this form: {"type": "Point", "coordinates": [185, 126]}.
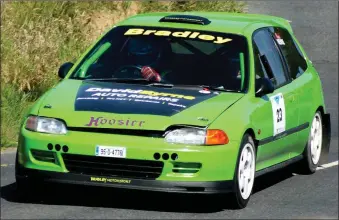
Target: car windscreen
{"type": "Point", "coordinates": [168, 55]}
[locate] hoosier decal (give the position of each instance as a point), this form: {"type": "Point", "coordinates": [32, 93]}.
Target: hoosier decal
{"type": "Point", "coordinates": [96, 121]}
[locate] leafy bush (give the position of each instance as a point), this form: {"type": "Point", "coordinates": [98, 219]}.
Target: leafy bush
{"type": "Point", "coordinates": [38, 36]}
{"type": "Point", "coordinates": [189, 5]}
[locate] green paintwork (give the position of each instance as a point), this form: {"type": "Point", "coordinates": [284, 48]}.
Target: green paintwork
{"type": "Point", "coordinates": [234, 113]}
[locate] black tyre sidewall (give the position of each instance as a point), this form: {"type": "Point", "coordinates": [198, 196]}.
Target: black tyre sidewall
{"type": "Point", "coordinates": [238, 200]}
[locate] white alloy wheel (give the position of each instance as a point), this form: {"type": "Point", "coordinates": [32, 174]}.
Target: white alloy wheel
{"type": "Point", "coordinates": [246, 171]}
{"type": "Point", "coordinates": [316, 138]}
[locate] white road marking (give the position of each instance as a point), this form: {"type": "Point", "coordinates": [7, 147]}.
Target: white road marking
{"type": "Point", "coordinates": [328, 165]}
{"type": "Point", "coordinates": [6, 165]}
{"type": "Point", "coordinates": [324, 166]}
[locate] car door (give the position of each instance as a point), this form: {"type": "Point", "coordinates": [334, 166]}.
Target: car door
{"type": "Point", "coordinates": [301, 77]}
{"type": "Point", "coordinates": [276, 114]}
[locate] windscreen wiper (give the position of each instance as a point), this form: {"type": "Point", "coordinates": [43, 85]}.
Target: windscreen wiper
{"type": "Point", "coordinates": [214, 88]}
{"type": "Point", "coordinates": [78, 77]}
{"type": "Point", "coordinates": [123, 80]}
{"type": "Point", "coordinates": [163, 85]}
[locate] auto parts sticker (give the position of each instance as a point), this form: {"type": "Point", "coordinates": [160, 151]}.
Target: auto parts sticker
{"type": "Point", "coordinates": [278, 109]}
{"type": "Point", "coordinates": [135, 99]}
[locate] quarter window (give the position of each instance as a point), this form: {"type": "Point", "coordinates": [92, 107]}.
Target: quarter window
{"type": "Point", "coordinates": [295, 60]}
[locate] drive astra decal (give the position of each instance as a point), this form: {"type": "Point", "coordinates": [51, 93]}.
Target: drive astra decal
{"type": "Point", "coordinates": [136, 99]}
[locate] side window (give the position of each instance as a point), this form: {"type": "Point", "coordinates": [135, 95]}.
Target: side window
{"type": "Point", "coordinates": [260, 71]}
{"type": "Point", "coordinates": [269, 49]}
{"type": "Point", "coordinates": [295, 60]}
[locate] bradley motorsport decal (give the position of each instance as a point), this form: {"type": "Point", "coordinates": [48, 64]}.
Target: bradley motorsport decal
{"type": "Point", "coordinates": [182, 34]}
{"type": "Point", "coordinates": [135, 99]}
{"type": "Point", "coordinates": [109, 180]}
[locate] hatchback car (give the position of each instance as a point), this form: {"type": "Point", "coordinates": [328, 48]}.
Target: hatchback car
{"type": "Point", "coordinates": [199, 102]}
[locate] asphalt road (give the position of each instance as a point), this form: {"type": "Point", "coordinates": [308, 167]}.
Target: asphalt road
{"type": "Point", "coordinates": [278, 195]}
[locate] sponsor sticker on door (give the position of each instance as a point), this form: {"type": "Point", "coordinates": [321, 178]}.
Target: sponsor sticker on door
{"type": "Point", "coordinates": [278, 110]}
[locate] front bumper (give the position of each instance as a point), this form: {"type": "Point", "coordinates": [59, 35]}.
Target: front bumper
{"type": "Point", "coordinates": [213, 187]}
{"type": "Point", "coordinates": [214, 175]}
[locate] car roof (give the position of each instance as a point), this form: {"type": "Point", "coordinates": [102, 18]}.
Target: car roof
{"type": "Point", "coordinates": [236, 23]}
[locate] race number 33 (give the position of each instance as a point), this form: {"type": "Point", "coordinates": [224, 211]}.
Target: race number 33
{"type": "Point", "coordinates": [278, 110]}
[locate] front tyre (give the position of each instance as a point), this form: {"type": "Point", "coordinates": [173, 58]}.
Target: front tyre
{"type": "Point", "coordinates": [313, 147]}
{"type": "Point", "coordinates": [245, 173]}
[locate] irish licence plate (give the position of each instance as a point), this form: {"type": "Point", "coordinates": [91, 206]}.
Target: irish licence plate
{"type": "Point", "coordinates": [106, 151]}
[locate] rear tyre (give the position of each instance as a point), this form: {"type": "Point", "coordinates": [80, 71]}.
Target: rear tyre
{"type": "Point", "coordinates": [313, 147]}
{"type": "Point", "coordinates": [245, 173]}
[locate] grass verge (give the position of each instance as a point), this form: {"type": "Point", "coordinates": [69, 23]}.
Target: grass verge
{"type": "Point", "coordinates": [38, 36]}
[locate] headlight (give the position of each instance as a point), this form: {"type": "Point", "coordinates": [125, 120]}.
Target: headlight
{"type": "Point", "coordinates": [45, 125]}
{"type": "Point", "coordinates": [197, 136]}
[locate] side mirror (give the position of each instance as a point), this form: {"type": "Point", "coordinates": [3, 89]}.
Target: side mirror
{"type": "Point", "coordinates": [263, 86]}
{"type": "Point", "coordinates": [64, 69]}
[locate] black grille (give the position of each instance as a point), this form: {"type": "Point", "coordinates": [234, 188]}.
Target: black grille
{"type": "Point", "coordinates": [41, 155]}
{"type": "Point", "coordinates": [118, 167]}
{"type": "Point", "coordinates": [134, 132]}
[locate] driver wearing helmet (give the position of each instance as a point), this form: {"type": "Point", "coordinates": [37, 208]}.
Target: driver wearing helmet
{"type": "Point", "coordinates": [147, 53]}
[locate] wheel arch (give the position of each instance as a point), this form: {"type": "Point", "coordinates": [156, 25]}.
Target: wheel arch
{"type": "Point", "coordinates": [326, 120]}
{"type": "Point", "coordinates": [250, 131]}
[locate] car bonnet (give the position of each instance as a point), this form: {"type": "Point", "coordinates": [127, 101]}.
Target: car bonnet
{"type": "Point", "coordinates": [132, 106]}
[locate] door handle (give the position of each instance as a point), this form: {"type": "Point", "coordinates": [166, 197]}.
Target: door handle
{"type": "Point", "coordinates": [291, 98]}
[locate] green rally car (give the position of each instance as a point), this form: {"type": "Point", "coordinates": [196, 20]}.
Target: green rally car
{"type": "Point", "coordinates": [188, 103]}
